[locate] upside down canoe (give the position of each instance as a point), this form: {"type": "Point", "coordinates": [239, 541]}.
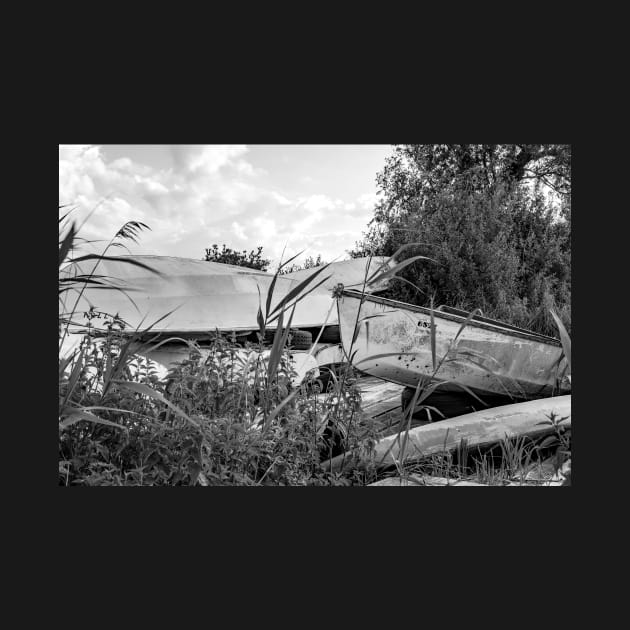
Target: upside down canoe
{"type": "Point", "coordinates": [192, 299]}
{"type": "Point", "coordinates": [203, 296]}
{"type": "Point", "coordinates": [530, 419]}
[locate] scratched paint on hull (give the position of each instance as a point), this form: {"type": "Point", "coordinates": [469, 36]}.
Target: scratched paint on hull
{"type": "Point", "coordinates": [483, 358]}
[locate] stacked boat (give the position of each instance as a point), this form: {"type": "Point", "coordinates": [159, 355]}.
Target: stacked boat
{"type": "Point", "coordinates": [399, 343]}
{"type": "Point", "coordinates": [394, 341]}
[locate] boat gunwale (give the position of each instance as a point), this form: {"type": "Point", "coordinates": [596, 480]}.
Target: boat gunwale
{"type": "Point", "coordinates": [498, 327]}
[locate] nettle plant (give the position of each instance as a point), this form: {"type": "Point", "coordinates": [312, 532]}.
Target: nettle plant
{"type": "Point", "coordinates": [226, 379]}
{"type": "Point", "coordinates": [226, 389]}
{"type": "Point", "coordinates": [105, 348]}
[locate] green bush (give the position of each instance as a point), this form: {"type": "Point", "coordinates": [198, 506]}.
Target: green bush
{"type": "Point", "coordinates": [499, 243]}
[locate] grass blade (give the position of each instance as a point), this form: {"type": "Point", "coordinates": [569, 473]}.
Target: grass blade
{"type": "Point", "coordinates": [145, 390]}
{"type": "Point", "coordinates": [67, 244]}
{"type": "Point", "coordinates": [259, 315]}
{"type": "Point", "coordinates": [465, 323]}
{"type": "Point", "coordinates": [357, 330]}
{"type": "Point", "coordinates": [432, 333]}
{"type": "Point", "coordinates": [129, 261]}
{"type": "Point", "coordinates": [285, 402]}
{"type": "Point", "coordinates": [74, 376]}
{"type": "Point", "coordinates": [415, 286]}
{"type": "Point", "coordinates": [299, 298]}
{"type": "Point", "coordinates": [276, 351]}
{"type": "Point", "coordinates": [270, 293]}
{"type": "Point", "coordinates": [396, 268]}
{"type": "Point", "coordinates": [392, 258]}
{"type": "Point", "coordinates": [564, 337]}
{"type": "Point", "coordinates": [81, 414]}
{"type": "Point", "coordinates": [284, 264]}
{"type": "Point", "coordinates": [297, 290]}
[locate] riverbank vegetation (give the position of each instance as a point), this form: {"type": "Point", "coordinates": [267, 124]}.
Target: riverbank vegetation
{"type": "Point", "coordinates": [491, 228]}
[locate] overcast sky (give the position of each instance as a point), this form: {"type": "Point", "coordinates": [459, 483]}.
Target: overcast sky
{"type": "Point", "coordinates": [313, 197]}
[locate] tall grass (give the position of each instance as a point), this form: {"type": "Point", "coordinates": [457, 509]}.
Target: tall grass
{"type": "Point", "coordinates": [224, 415]}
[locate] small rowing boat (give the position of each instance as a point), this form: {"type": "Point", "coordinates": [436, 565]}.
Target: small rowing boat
{"type": "Point", "coordinates": [393, 341]}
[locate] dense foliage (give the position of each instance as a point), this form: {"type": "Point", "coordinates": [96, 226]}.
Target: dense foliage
{"type": "Point", "coordinates": [229, 256]}
{"type": "Point", "coordinates": [496, 220]}
{"type": "Point", "coordinates": [217, 440]}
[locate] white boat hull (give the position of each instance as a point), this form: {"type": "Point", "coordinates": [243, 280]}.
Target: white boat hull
{"type": "Point", "coordinates": [204, 296]}
{"type": "Point", "coordinates": [478, 429]}
{"type": "Point", "coordinates": [394, 343]}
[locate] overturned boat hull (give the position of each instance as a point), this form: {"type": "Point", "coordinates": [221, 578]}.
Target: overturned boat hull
{"type": "Point", "coordinates": [392, 341]}
{"type": "Point", "coordinates": [481, 428]}
{"type": "Point", "coordinates": [189, 297]}
{"type": "Point", "coordinates": [171, 297]}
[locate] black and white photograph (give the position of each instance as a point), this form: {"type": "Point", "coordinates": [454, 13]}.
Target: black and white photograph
{"type": "Point", "coordinates": [314, 315]}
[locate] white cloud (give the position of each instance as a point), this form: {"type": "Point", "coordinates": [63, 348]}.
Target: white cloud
{"type": "Point", "coordinates": [238, 230]}
{"type": "Point", "coordinates": [316, 203]}
{"type": "Point", "coordinates": [205, 159]}
{"type": "Point", "coordinates": [265, 228]}
{"type": "Point", "coordinates": [213, 194]}
{"type": "Point", "coordinates": [71, 151]}
{"type": "Point", "coordinates": [209, 159]}
{"type": "Point", "coordinates": [283, 201]}
{"type": "Point", "coordinates": [368, 200]}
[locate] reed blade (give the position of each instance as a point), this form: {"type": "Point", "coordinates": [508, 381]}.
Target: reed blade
{"type": "Point", "coordinates": [297, 290]}
{"type": "Point", "coordinates": [392, 272]}
{"type": "Point", "coordinates": [66, 244]}
{"type": "Point", "coordinates": [564, 337]}
{"type": "Point", "coordinates": [128, 261]}
{"type": "Point", "coordinates": [145, 390]}
{"type": "Point", "coordinates": [75, 415]}
{"type": "Point", "coordinates": [433, 339]}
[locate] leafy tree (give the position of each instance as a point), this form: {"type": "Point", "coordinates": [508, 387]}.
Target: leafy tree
{"type": "Point", "coordinates": [419, 171]}
{"type": "Point", "coordinates": [229, 256]}
{"type": "Point", "coordinates": [496, 219]}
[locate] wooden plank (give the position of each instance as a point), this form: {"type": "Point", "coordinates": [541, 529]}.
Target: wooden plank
{"type": "Point", "coordinates": [478, 429]}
